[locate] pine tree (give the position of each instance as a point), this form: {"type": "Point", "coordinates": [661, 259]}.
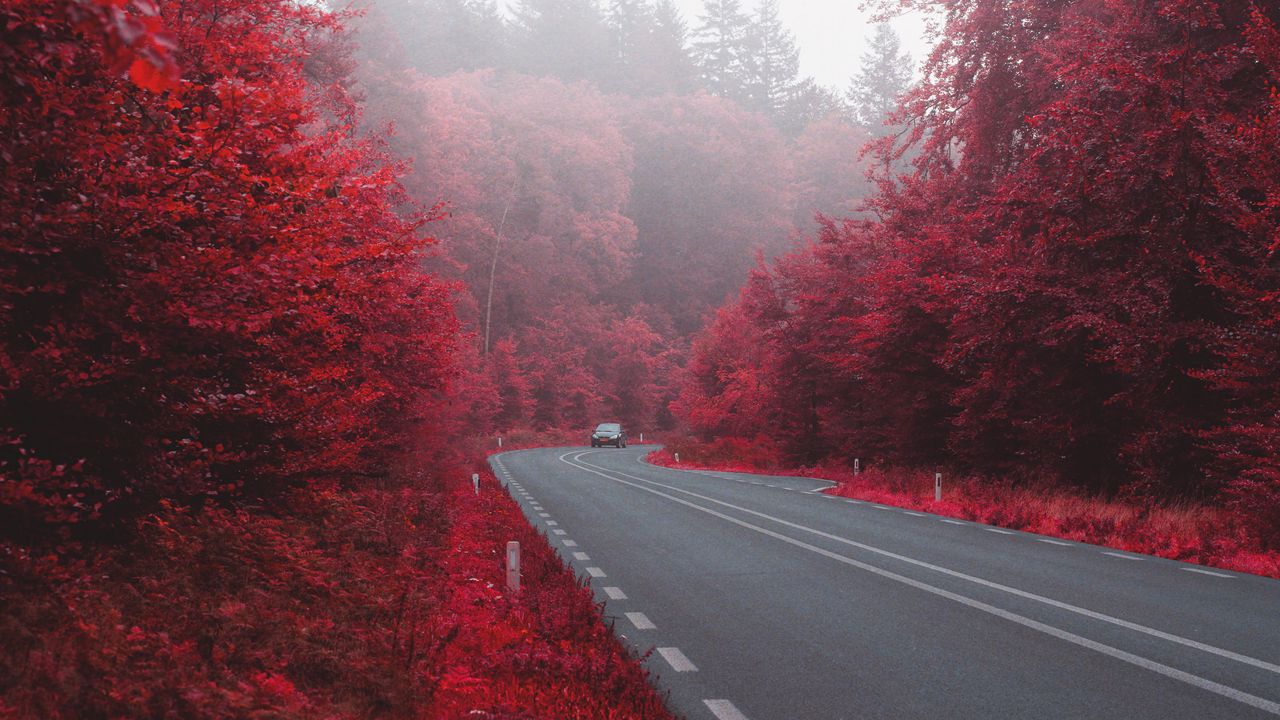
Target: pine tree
{"type": "Point", "coordinates": [630, 22]}
{"type": "Point", "coordinates": [722, 49]}
{"type": "Point", "coordinates": [443, 36]}
{"type": "Point", "coordinates": [774, 79]}
{"type": "Point", "coordinates": [665, 54]}
{"type": "Point", "coordinates": [884, 77]}
{"type": "Point", "coordinates": [568, 39]}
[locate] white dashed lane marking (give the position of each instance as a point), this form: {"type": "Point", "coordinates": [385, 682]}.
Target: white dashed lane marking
{"type": "Point", "coordinates": [581, 556]}
{"type": "Point", "coordinates": [913, 514]}
{"type": "Point", "coordinates": [999, 531]}
{"type": "Point", "coordinates": [1059, 543]}
{"type": "Point", "coordinates": [677, 659]}
{"type": "Point", "coordinates": [596, 572]}
{"type": "Point", "coordinates": [724, 710]}
{"type": "Point", "coordinates": [615, 593]}
{"type": "Point", "coordinates": [1207, 572]}
{"type": "Point", "coordinates": [570, 543]}
{"type": "Point", "coordinates": [560, 533]}
{"type": "Point", "coordinates": [1122, 556]}
{"type": "Point", "coordinates": [954, 522]}
{"type": "Point", "coordinates": [641, 621]}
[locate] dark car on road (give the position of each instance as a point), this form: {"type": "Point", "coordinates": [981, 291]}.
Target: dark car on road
{"type": "Point", "coordinates": [609, 434]}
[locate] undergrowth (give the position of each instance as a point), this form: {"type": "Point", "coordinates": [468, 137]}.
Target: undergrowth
{"type": "Point", "coordinates": [378, 601]}
{"type": "Point", "coordinates": [1186, 532]}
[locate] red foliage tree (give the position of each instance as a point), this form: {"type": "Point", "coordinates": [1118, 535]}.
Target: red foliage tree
{"type": "Point", "coordinates": [204, 291]}
{"type": "Point", "coordinates": [1075, 281]}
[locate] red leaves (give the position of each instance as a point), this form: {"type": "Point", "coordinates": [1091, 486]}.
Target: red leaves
{"type": "Point", "coordinates": [178, 275]}
{"type": "Point", "coordinates": [1084, 292]}
{"type": "Point", "coordinates": [150, 74]}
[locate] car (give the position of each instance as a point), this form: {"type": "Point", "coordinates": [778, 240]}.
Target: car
{"type": "Point", "coordinates": [609, 434]}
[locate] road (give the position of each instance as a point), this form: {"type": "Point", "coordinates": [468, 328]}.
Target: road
{"type": "Point", "coordinates": [764, 599]}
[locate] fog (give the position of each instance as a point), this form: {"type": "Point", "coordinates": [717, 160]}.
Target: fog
{"type": "Point", "coordinates": [831, 33]}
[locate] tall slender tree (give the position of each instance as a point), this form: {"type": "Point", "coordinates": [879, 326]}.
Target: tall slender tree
{"type": "Point", "coordinates": [568, 39]}
{"type": "Point", "coordinates": [884, 76]}
{"type": "Point", "coordinates": [438, 37]}
{"type": "Point", "coordinates": [773, 81]}
{"type": "Point", "coordinates": [722, 49]}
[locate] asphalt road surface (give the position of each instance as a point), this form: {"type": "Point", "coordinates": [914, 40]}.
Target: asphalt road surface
{"type": "Point", "coordinates": [761, 598]}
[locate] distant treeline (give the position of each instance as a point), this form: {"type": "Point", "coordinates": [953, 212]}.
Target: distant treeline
{"type": "Point", "coordinates": [647, 48]}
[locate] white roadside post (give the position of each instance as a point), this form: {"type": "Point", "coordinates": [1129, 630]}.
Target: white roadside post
{"type": "Point", "coordinates": [677, 457]}
{"type": "Point", "coordinates": [499, 441]}
{"type": "Point", "coordinates": [937, 487]}
{"type": "Point", "coordinates": [513, 567]}
{"type": "Point", "coordinates": [857, 465]}
{"type": "Point", "coordinates": [475, 481]}
{"type": "Point", "coordinates": [641, 438]}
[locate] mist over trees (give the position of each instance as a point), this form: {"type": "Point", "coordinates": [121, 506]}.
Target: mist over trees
{"type": "Point", "coordinates": [882, 79]}
{"type": "Point", "coordinates": [610, 172]}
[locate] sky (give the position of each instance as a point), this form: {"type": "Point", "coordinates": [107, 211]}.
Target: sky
{"type": "Point", "coordinates": [830, 34]}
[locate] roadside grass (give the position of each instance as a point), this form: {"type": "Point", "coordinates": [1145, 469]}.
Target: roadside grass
{"type": "Point", "coordinates": [545, 652]}
{"type": "Point", "coordinates": [380, 600]}
{"type": "Point", "coordinates": [1191, 533]}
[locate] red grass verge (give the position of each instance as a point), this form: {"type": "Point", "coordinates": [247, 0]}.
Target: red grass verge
{"type": "Point", "coordinates": [335, 603]}
{"type": "Point", "coordinates": [1196, 534]}
{"type": "Point", "coordinates": [545, 653]}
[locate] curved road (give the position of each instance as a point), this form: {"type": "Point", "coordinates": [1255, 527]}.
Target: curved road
{"type": "Point", "coordinates": [764, 599]}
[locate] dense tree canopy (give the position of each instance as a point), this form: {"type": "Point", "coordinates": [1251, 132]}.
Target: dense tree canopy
{"type": "Point", "coordinates": [1073, 283]}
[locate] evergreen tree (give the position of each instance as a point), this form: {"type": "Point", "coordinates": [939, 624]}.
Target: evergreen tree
{"type": "Point", "coordinates": [568, 39]}
{"type": "Point", "coordinates": [774, 80]}
{"type": "Point", "coordinates": [439, 37]}
{"type": "Point", "coordinates": [809, 104]}
{"type": "Point", "coordinates": [649, 49]}
{"type": "Point", "coordinates": [630, 22]}
{"type": "Point", "coordinates": [665, 54]}
{"type": "Point", "coordinates": [885, 75]}
{"type": "Point", "coordinates": [722, 49]}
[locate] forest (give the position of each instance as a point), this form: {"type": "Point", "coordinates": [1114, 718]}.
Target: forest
{"type": "Point", "coordinates": [274, 275]}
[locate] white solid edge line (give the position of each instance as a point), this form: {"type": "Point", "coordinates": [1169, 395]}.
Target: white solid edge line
{"type": "Point", "coordinates": [615, 593]}
{"type": "Point", "coordinates": [1208, 572]}
{"type": "Point", "coordinates": [1113, 652]}
{"type": "Point", "coordinates": [1187, 642]}
{"type": "Point", "coordinates": [641, 459]}
{"type": "Point", "coordinates": [641, 621]}
{"type": "Point", "coordinates": [724, 710]}
{"type": "Point", "coordinates": [677, 659]}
